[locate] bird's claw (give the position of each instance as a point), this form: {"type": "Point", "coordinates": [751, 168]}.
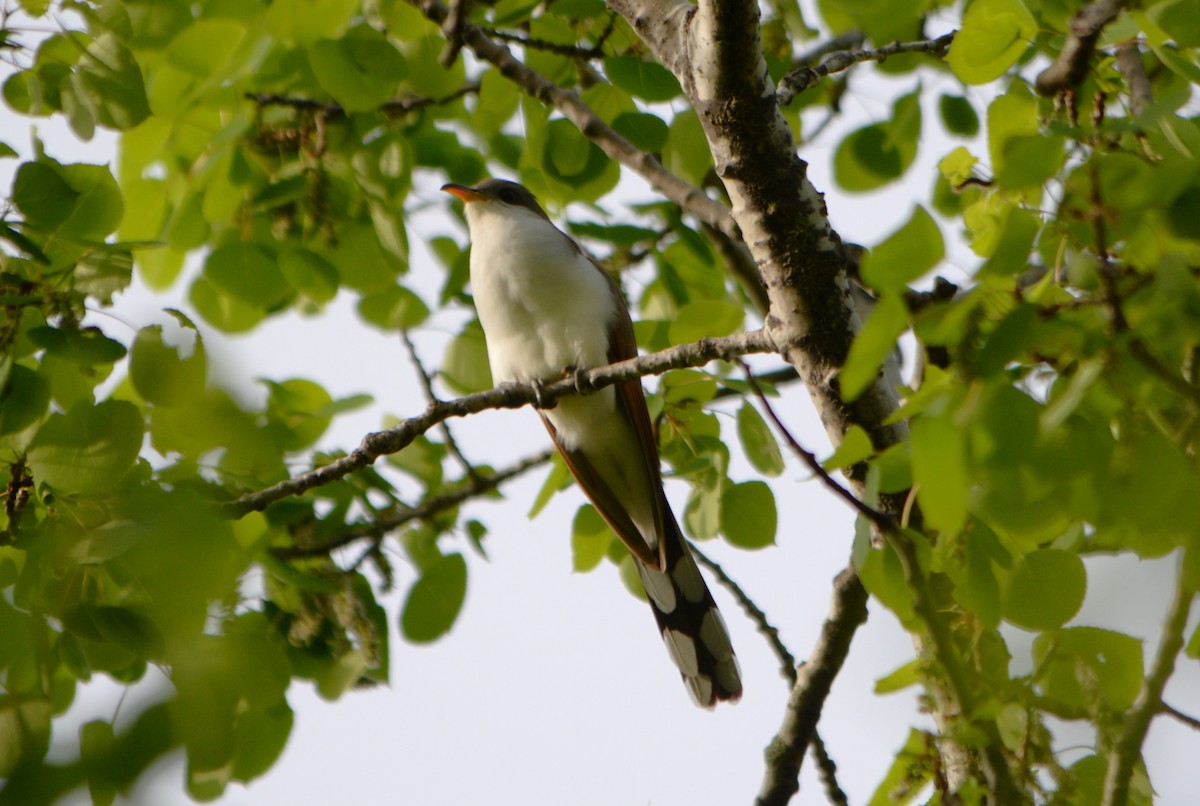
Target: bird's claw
{"type": "Point", "coordinates": [539, 395]}
{"type": "Point", "coordinates": [582, 385]}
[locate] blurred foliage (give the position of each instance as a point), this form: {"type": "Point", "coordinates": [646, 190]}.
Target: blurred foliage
{"type": "Point", "coordinates": [277, 143]}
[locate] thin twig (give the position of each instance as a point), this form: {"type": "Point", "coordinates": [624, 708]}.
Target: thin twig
{"type": "Point", "coordinates": [828, 771]}
{"type": "Point", "coordinates": [431, 397]}
{"type": "Point", "coordinates": [377, 529]}
{"type": "Point", "coordinates": [885, 523]}
{"type": "Point", "coordinates": [1127, 750]}
{"type": "Point", "coordinates": [802, 78]}
{"type": "Point", "coordinates": [508, 396]}
{"type": "Point", "coordinates": [787, 661]}
{"type": "Point", "coordinates": [393, 107]}
{"type": "Point", "coordinates": [1190, 721]}
{"type": "Point", "coordinates": [596, 51]}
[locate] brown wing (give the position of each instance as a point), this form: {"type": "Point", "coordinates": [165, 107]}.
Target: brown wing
{"type": "Point", "coordinates": [601, 495]}
{"type": "Point", "coordinates": [631, 402]}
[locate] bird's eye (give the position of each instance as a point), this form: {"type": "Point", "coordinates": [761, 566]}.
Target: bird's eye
{"type": "Point", "coordinates": [508, 196]}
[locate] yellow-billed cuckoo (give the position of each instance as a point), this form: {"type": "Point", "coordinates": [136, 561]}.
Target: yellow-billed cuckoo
{"type": "Point", "coordinates": [547, 308]}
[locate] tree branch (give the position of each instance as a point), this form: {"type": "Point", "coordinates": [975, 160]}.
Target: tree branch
{"type": "Point", "coordinates": [687, 196]}
{"type": "Point", "coordinates": [1175, 713]}
{"type": "Point", "coordinates": [1071, 66]}
{"type": "Point", "coordinates": [397, 106]}
{"type": "Point", "coordinates": [884, 522]}
{"type": "Point", "coordinates": [785, 753]}
{"type": "Point", "coordinates": [508, 396]}
{"type": "Point", "coordinates": [430, 397]}
{"type": "Point", "coordinates": [802, 78]}
{"type": "Point", "coordinates": [1127, 749]}
{"type": "Point", "coordinates": [376, 530]}
{"type": "Point", "coordinates": [1129, 62]}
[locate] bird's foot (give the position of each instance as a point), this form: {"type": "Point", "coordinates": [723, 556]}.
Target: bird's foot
{"type": "Point", "coordinates": [539, 395]}
{"type": "Point", "coordinates": [579, 375]}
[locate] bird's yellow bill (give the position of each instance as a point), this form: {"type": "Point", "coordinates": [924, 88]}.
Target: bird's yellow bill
{"type": "Point", "coordinates": [463, 192]}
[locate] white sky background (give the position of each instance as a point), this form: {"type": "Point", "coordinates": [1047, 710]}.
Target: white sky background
{"type": "Point", "coordinates": [554, 687]}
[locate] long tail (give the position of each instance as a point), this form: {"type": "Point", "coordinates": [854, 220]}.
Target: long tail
{"type": "Point", "coordinates": [690, 623]}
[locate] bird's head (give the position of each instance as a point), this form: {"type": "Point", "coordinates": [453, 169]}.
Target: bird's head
{"type": "Point", "coordinates": [497, 197]}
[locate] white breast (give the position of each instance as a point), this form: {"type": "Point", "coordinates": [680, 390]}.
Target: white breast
{"type": "Point", "coordinates": [543, 306]}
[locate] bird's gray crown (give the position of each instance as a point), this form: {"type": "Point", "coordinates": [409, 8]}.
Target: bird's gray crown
{"type": "Point", "coordinates": [507, 192]}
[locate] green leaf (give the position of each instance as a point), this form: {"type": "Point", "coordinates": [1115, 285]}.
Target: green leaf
{"type": "Point", "coordinates": [77, 201]}
{"type": "Point", "coordinates": [590, 539]}
{"type": "Point", "coordinates": [162, 374]}
{"type": "Point", "coordinates": [206, 46]}
{"type": "Point", "coordinates": [87, 347]}
{"type": "Point", "coordinates": [643, 79]}
{"type": "Point", "coordinates": [247, 274]}
{"type": "Point", "coordinates": [24, 398]}
{"type": "Point", "coordinates": [361, 70]}
{"type": "Point", "coordinates": [1029, 161]}
{"type": "Point", "coordinates": [940, 473]}
{"type": "Point", "coordinates": [856, 447]}
{"type": "Point", "coordinates": [877, 154]}
{"type": "Point", "coordinates": [758, 443]}
{"type": "Point", "coordinates": [707, 318]}
{"type": "Point", "coordinates": [911, 770]}
{"type": "Point", "coordinates": [435, 600]}
{"type": "Point", "coordinates": [259, 740]}
{"type": "Point", "coordinates": [133, 632]}
{"type": "Point", "coordinates": [957, 166]}
{"type": "Point", "coordinates": [226, 313]}
{"type": "Point", "coordinates": [899, 679]}
{"type": "Point", "coordinates": [687, 153]}
{"type": "Point", "coordinates": [310, 274]}
{"type": "Point", "coordinates": [340, 676]}
{"type": "Point", "coordinates": [559, 478]}
{"type": "Point", "coordinates": [748, 516]}
{"type": "Point", "coordinates": [88, 449]}
{"type": "Point", "coordinates": [702, 513]}
{"type": "Point", "coordinates": [308, 20]}
{"type": "Point", "coordinates": [958, 115]}
{"type": "Point", "coordinates": [301, 407]}
{"type": "Point", "coordinates": [1013, 114]}
{"type": "Point", "coordinates": [977, 589]}
{"type": "Point", "coordinates": [1075, 664]}
{"type": "Point", "coordinates": [393, 308]}
{"type": "Point", "coordinates": [905, 255]}
{"type": "Point", "coordinates": [113, 78]}
{"type": "Point", "coordinates": [647, 132]}
{"type": "Point", "coordinates": [994, 34]}
{"type": "Point", "coordinates": [465, 366]}
{"type": "Point", "coordinates": [883, 576]}
{"type": "Point", "coordinates": [1045, 590]}
{"type": "Point", "coordinates": [871, 347]}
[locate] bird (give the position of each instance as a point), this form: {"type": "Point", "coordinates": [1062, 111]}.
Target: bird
{"type": "Point", "coordinates": [548, 310]}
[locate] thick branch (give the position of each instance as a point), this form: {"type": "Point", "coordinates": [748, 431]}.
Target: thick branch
{"type": "Point", "coordinates": [785, 753]}
{"type": "Point", "coordinates": [508, 396]}
{"type": "Point", "coordinates": [1127, 750]}
{"type": "Point", "coordinates": [1072, 63]}
{"type": "Point", "coordinates": [687, 196]}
